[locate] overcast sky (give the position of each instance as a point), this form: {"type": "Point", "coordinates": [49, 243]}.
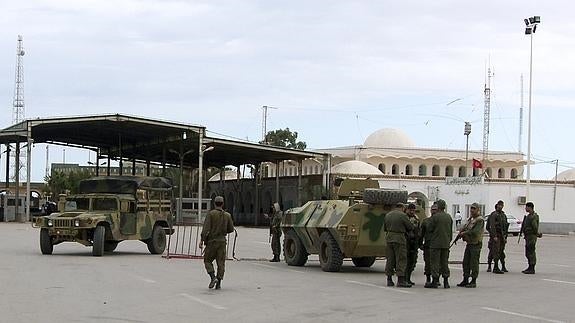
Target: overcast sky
{"type": "Point", "coordinates": [336, 70]}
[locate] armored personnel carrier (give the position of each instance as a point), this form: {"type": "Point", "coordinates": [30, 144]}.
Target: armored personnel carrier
{"type": "Point", "coordinates": [109, 210]}
{"type": "Point", "coordinates": [349, 227]}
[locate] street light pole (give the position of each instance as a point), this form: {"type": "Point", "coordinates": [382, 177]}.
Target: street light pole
{"type": "Point", "coordinates": [531, 25]}
{"type": "Point", "coordinates": [466, 132]}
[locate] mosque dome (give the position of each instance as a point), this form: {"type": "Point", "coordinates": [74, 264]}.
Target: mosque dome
{"type": "Point", "coordinates": [388, 138]}
{"type": "Point", "coordinates": [567, 175]}
{"type": "Point", "coordinates": [355, 167]}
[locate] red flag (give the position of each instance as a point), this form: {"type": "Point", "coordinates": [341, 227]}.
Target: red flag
{"type": "Point", "coordinates": [477, 163]}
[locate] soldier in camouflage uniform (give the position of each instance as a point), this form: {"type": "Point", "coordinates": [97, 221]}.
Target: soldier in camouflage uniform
{"type": "Point", "coordinates": [530, 230]}
{"type": "Point", "coordinates": [412, 243]}
{"type": "Point", "coordinates": [396, 225]}
{"type": "Point", "coordinates": [217, 225]}
{"type": "Point", "coordinates": [497, 227]}
{"type": "Point", "coordinates": [276, 232]}
{"type": "Point", "coordinates": [472, 234]}
{"type": "Point", "coordinates": [441, 231]}
{"type": "Point", "coordinates": [424, 237]}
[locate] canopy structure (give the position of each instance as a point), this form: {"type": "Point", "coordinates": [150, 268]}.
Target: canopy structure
{"type": "Point", "coordinates": [135, 139]}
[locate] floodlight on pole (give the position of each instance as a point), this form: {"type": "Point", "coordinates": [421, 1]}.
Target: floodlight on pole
{"type": "Point", "coordinates": [466, 132]}
{"type": "Point", "coordinates": [531, 26]}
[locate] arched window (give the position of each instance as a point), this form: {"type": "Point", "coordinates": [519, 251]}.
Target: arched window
{"type": "Point", "coordinates": [381, 167]}
{"type": "Point", "coordinates": [501, 173]}
{"type": "Point", "coordinates": [449, 171]}
{"type": "Point", "coordinates": [462, 171]}
{"type": "Point", "coordinates": [488, 171]}
{"type": "Point", "coordinates": [395, 169]}
{"type": "Point", "coordinates": [422, 170]}
{"type": "Point", "coordinates": [435, 170]}
{"type": "Point", "coordinates": [513, 172]}
{"type": "Point", "coordinates": [408, 170]}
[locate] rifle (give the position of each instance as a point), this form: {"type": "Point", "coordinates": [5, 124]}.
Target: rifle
{"type": "Point", "coordinates": [521, 230]}
{"type": "Point", "coordinates": [455, 240]}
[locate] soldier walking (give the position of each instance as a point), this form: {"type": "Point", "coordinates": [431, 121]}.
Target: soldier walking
{"type": "Point", "coordinates": [276, 233]}
{"type": "Point", "coordinates": [530, 230]}
{"type": "Point", "coordinates": [217, 225]}
{"type": "Point", "coordinates": [497, 227]}
{"type": "Point", "coordinates": [424, 236]}
{"type": "Point", "coordinates": [472, 234]}
{"type": "Point", "coordinates": [412, 243]}
{"type": "Point", "coordinates": [396, 225]}
{"type": "Point", "coordinates": [441, 231]}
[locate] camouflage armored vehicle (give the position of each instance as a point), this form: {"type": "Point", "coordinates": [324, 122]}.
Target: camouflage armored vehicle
{"type": "Point", "coordinates": [349, 227]}
{"type": "Point", "coordinates": [109, 210]}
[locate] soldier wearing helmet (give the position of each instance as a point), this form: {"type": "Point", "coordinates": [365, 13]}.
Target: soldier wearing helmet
{"type": "Point", "coordinates": [412, 242]}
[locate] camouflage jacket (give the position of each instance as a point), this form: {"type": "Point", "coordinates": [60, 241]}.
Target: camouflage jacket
{"type": "Point", "coordinates": [531, 224]}
{"type": "Point", "coordinates": [413, 238]}
{"type": "Point", "coordinates": [217, 225]}
{"type": "Point", "coordinates": [440, 230]}
{"type": "Point", "coordinates": [497, 224]}
{"type": "Point", "coordinates": [396, 224]}
{"type": "Point", "coordinates": [424, 234]}
{"type": "Point", "coordinates": [275, 222]}
{"type": "Point", "coordinates": [472, 232]}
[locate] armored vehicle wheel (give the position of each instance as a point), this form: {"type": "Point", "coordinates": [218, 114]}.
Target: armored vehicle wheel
{"type": "Point", "coordinates": [110, 246]}
{"type": "Point", "coordinates": [363, 261]}
{"type": "Point", "coordinates": [330, 256]}
{"type": "Point", "coordinates": [294, 251]}
{"type": "Point", "coordinates": [46, 245]}
{"type": "Point", "coordinates": [98, 241]}
{"type": "Point", "coordinates": [157, 243]}
{"type": "Point", "coordinates": [384, 196]}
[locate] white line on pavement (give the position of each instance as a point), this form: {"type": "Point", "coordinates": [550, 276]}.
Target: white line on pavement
{"type": "Point", "coordinates": [521, 315]}
{"type": "Point", "coordinates": [377, 286]}
{"type": "Point", "coordinates": [559, 281]}
{"type": "Point", "coordinates": [558, 265]}
{"type": "Point", "coordinates": [266, 243]}
{"type": "Point", "coordinates": [278, 268]}
{"type": "Point", "coordinates": [146, 279]}
{"type": "Point", "coordinates": [201, 301]}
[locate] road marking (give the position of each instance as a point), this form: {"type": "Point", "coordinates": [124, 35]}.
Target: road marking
{"type": "Point", "coordinates": [393, 289]}
{"type": "Point", "coordinates": [266, 243]}
{"type": "Point", "coordinates": [146, 279]}
{"type": "Point", "coordinates": [558, 265]}
{"type": "Point", "coordinates": [559, 281]}
{"type": "Point", "coordinates": [521, 315]}
{"type": "Point", "coordinates": [201, 301]}
{"type": "Point", "coordinates": [278, 268]}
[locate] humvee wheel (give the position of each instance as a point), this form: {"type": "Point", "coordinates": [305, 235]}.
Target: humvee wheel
{"type": "Point", "coordinates": [330, 256]}
{"type": "Point", "coordinates": [46, 245]}
{"type": "Point", "coordinates": [294, 251]}
{"type": "Point", "coordinates": [363, 261]}
{"type": "Point", "coordinates": [384, 196]}
{"type": "Point", "coordinates": [110, 246]}
{"type": "Point", "coordinates": [98, 241]}
{"type": "Point", "coordinates": [157, 243]}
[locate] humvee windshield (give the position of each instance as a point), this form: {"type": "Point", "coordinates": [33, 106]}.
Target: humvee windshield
{"type": "Point", "coordinates": [104, 204]}
{"type": "Point", "coordinates": [77, 204]}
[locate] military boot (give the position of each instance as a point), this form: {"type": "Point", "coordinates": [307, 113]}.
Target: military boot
{"type": "Point", "coordinates": [402, 283]}
{"type": "Point", "coordinates": [218, 283]}
{"type": "Point", "coordinates": [489, 266]}
{"type": "Point", "coordinates": [446, 282]}
{"type": "Point", "coordinates": [530, 270]}
{"type": "Point", "coordinates": [213, 281]}
{"type": "Point", "coordinates": [503, 269]}
{"type": "Point", "coordinates": [433, 284]}
{"type": "Point", "coordinates": [464, 282]}
{"type": "Point", "coordinates": [276, 258]}
{"type": "Point", "coordinates": [390, 281]}
{"type": "Point", "coordinates": [408, 279]}
{"type": "Point", "coordinates": [427, 279]}
{"type": "Point", "coordinates": [472, 283]}
{"type": "Point", "coordinates": [496, 269]}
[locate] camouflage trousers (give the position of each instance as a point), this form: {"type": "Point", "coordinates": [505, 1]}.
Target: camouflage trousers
{"type": "Point", "coordinates": [276, 244]}
{"type": "Point", "coordinates": [496, 248]}
{"type": "Point", "coordinates": [427, 266]}
{"type": "Point", "coordinates": [471, 260]}
{"type": "Point", "coordinates": [412, 252]}
{"type": "Point", "coordinates": [530, 243]}
{"type": "Point", "coordinates": [439, 261]}
{"type": "Point", "coordinates": [215, 250]}
{"type": "Point", "coordinates": [396, 259]}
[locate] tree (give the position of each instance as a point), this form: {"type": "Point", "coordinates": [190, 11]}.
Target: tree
{"type": "Point", "coordinates": [284, 138]}
{"type": "Point", "coordinates": [60, 182]}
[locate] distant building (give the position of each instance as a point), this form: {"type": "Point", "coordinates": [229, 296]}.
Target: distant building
{"type": "Point", "coordinates": [140, 169]}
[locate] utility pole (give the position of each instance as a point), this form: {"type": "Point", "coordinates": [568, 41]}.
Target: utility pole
{"type": "Point", "coordinates": [521, 116]}
{"type": "Point", "coordinates": [264, 122]}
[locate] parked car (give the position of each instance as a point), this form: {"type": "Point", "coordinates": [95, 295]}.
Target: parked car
{"type": "Point", "coordinates": [514, 225]}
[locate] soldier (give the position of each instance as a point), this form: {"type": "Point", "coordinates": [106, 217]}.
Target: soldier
{"type": "Point", "coordinates": [472, 234]}
{"type": "Point", "coordinates": [424, 237]}
{"type": "Point", "coordinates": [497, 227]}
{"type": "Point", "coordinates": [396, 225]}
{"type": "Point", "coordinates": [441, 230]}
{"type": "Point", "coordinates": [530, 230]}
{"type": "Point", "coordinates": [275, 232]}
{"type": "Point", "coordinates": [217, 225]}
{"type": "Point", "coordinates": [412, 243]}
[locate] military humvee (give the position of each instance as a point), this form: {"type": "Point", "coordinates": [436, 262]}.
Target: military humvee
{"type": "Point", "coordinates": [109, 210]}
{"type": "Point", "coordinates": [349, 227]}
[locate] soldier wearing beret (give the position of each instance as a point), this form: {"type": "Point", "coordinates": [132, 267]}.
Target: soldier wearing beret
{"type": "Point", "coordinates": [440, 229]}
{"type": "Point", "coordinates": [472, 234]}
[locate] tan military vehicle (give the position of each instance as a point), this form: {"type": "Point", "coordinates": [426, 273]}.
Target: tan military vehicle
{"type": "Point", "coordinates": [349, 227]}
{"type": "Point", "coordinates": [109, 210]}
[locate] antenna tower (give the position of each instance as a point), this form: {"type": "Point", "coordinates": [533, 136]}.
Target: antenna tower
{"type": "Point", "coordinates": [18, 111]}
{"type": "Point", "coordinates": [486, 113]}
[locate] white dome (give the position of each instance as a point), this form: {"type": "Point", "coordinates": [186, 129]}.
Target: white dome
{"type": "Point", "coordinates": [355, 167]}
{"type": "Point", "coordinates": [388, 138]}
{"type": "Point", "coordinates": [567, 175]}
{"type": "Point", "coordinates": [229, 174]}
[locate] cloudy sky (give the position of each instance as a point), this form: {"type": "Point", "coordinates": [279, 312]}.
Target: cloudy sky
{"type": "Point", "coordinates": [335, 70]}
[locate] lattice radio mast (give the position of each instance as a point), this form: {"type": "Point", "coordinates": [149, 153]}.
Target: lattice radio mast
{"type": "Point", "coordinates": [18, 112]}
{"type": "Point", "coordinates": [486, 113]}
